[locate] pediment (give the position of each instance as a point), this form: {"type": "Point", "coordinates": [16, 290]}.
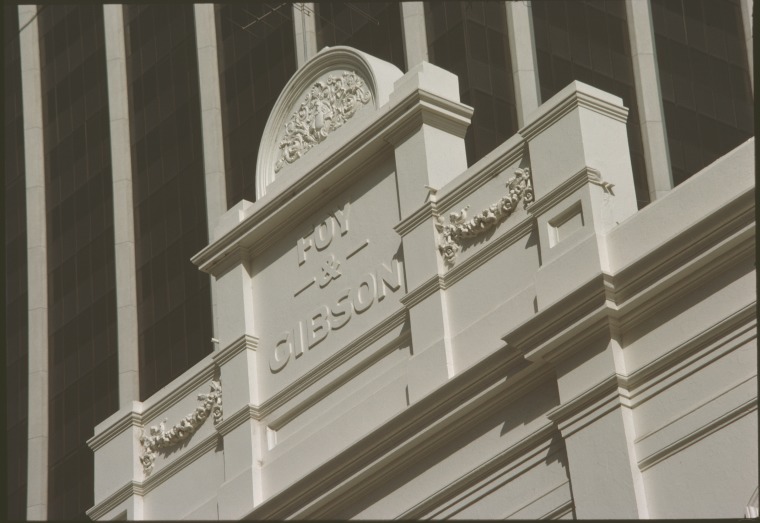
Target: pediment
{"type": "Point", "coordinates": [323, 96]}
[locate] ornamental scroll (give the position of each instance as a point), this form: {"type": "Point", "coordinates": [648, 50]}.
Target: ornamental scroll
{"type": "Point", "coordinates": [460, 228]}
{"type": "Point", "coordinates": [159, 437]}
{"type": "Point", "coordinates": [328, 105]}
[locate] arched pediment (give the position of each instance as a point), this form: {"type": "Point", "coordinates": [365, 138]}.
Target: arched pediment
{"type": "Point", "coordinates": [321, 97]}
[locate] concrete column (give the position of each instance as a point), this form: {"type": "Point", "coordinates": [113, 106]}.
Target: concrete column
{"type": "Point", "coordinates": [649, 98]}
{"type": "Point", "coordinates": [522, 52]}
{"type": "Point", "coordinates": [587, 180]}
{"type": "Point", "coordinates": [36, 240]}
{"type": "Point", "coordinates": [428, 155]}
{"type": "Point", "coordinates": [211, 122]}
{"type": "Point", "coordinates": [747, 22]}
{"type": "Point", "coordinates": [305, 31]}
{"type": "Point", "coordinates": [415, 34]}
{"type": "Point", "coordinates": [123, 208]}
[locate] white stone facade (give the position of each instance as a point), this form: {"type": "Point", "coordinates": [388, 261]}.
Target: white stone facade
{"type": "Point", "coordinates": [403, 336]}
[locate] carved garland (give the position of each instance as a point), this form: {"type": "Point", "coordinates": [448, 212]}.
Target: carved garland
{"type": "Point", "coordinates": [452, 235]}
{"type": "Point", "coordinates": [159, 438]}
{"type": "Point", "coordinates": [327, 106]}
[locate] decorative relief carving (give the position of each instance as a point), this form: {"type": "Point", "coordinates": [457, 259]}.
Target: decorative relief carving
{"type": "Point", "coordinates": [459, 229]}
{"type": "Point", "coordinates": [159, 437]}
{"type": "Point", "coordinates": [328, 105]}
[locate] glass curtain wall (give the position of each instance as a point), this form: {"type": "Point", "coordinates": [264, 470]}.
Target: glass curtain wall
{"type": "Point", "coordinates": [173, 296]}
{"type": "Point", "coordinates": [83, 373]}
{"type": "Point", "coordinates": [16, 305]}
{"type": "Point", "coordinates": [587, 40]}
{"type": "Point", "coordinates": [470, 40]}
{"type": "Point", "coordinates": [372, 27]}
{"type": "Point", "coordinates": [704, 78]}
{"type": "Point", "coordinates": [256, 50]}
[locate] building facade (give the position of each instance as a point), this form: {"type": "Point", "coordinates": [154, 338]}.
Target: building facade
{"type": "Point", "coordinates": [371, 260]}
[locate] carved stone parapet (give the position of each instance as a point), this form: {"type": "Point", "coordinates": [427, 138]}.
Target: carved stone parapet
{"type": "Point", "coordinates": [460, 228]}
{"type": "Point", "coordinates": [158, 437]}
{"type": "Point", "coordinates": [328, 105]}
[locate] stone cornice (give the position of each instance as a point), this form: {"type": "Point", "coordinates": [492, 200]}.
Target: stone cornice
{"type": "Point", "coordinates": [129, 419]}
{"type": "Point", "coordinates": [244, 342]}
{"type": "Point", "coordinates": [119, 496]}
{"type": "Point", "coordinates": [429, 210]}
{"type": "Point", "coordinates": [328, 175]}
{"type": "Point", "coordinates": [422, 291]}
{"type": "Point", "coordinates": [341, 356]}
{"type": "Point", "coordinates": [574, 182]}
{"type": "Point", "coordinates": [143, 416]}
{"type": "Point", "coordinates": [574, 96]}
{"type": "Point", "coordinates": [466, 398]}
{"type": "Point", "coordinates": [529, 451]}
{"type": "Point", "coordinates": [587, 407]}
{"type": "Point", "coordinates": [713, 342]}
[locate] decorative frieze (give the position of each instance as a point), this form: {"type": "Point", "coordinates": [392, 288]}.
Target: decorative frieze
{"type": "Point", "coordinates": [158, 437]}
{"type": "Point", "coordinates": [328, 105]}
{"type": "Point", "coordinates": [460, 228]}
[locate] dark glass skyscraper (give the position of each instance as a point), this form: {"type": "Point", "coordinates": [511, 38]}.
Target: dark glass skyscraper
{"type": "Point", "coordinates": [81, 282]}
{"type": "Point", "coordinates": [704, 89]}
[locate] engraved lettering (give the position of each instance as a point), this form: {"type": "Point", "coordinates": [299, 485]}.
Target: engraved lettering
{"type": "Point", "coordinates": [279, 360]}
{"type": "Point", "coordinates": [330, 271]}
{"type": "Point", "coordinates": [319, 325]}
{"type": "Point", "coordinates": [388, 277]}
{"type": "Point", "coordinates": [298, 343]}
{"type": "Point", "coordinates": [304, 244]}
{"type": "Point", "coordinates": [341, 217]}
{"type": "Point", "coordinates": [361, 304]}
{"type": "Point", "coordinates": [316, 327]}
{"type": "Point", "coordinates": [341, 311]}
{"type": "Point", "coordinates": [323, 234]}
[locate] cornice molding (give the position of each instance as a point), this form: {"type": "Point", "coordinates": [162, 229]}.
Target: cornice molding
{"type": "Point", "coordinates": [244, 342]}
{"type": "Point", "coordinates": [369, 139]}
{"type": "Point", "coordinates": [119, 496]}
{"type": "Point", "coordinates": [423, 291]}
{"type": "Point", "coordinates": [342, 355]}
{"type": "Point", "coordinates": [703, 431]}
{"type": "Point", "coordinates": [575, 97]}
{"type": "Point", "coordinates": [429, 210]}
{"type": "Point", "coordinates": [524, 454]}
{"type": "Point", "coordinates": [476, 176]}
{"type": "Point", "coordinates": [466, 398]}
{"type": "Point", "coordinates": [182, 391]}
{"type": "Point", "coordinates": [713, 342]}
{"type": "Point", "coordinates": [137, 488]}
{"type": "Point", "coordinates": [570, 185]}
{"type": "Point", "coordinates": [143, 416]}
{"type": "Point", "coordinates": [587, 407]}
{"type": "Point", "coordinates": [130, 419]}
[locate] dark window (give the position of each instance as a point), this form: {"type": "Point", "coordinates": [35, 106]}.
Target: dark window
{"type": "Point", "coordinates": [173, 297]}
{"type": "Point", "coordinates": [256, 52]}
{"type": "Point", "coordinates": [470, 40]}
{"type": "Point", "coordinates": [588, 41]}
{"type": "Point", "coordinates": [372, 27]}
{"type": "Point", "coordinates": [16, 305]}
{"type": "Point", "coordinates": [81, 282]}
{"type": "Point", "coordinates": [704, 77]}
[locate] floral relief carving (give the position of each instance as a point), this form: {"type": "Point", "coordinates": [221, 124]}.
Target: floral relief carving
{"type": "Point", "coordinates": [460, 228]}
{"type": "Point", "coordinates": [158, 437]}
{"type": "Point", "coordinates": [328, 105]}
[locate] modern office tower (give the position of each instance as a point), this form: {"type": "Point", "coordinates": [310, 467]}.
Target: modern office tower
{"type": "Point", "coordinates": [379, 259]}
